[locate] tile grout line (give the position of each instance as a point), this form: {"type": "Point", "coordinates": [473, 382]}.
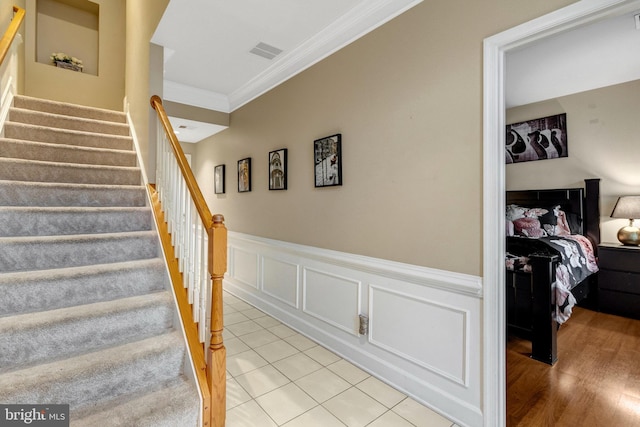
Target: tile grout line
{"type": "Point", "coordinates": [238, 310]}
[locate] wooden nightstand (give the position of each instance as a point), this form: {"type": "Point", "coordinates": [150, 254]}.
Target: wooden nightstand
{"type": "Point", "coordinates": [619, 279]}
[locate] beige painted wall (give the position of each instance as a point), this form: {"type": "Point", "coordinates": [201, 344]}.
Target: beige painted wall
{"type": "Point", "coordinates": [105, 90]}
{"type": "Point", "coordinates": [63, 28]}
{"type": "Point", "coordinates": [407, 99]}
{"type": "Point", "coordinates": [143, 71]}
{"type": "Point", "coordinates": [603, 142]}
{"type": "Point", "coordinates": [190, 112]}
{"type": "Point", "coordinates": [189, 148]}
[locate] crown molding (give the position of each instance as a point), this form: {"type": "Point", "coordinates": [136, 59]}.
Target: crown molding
{"type": "Point", "coordinates": [190, 95]}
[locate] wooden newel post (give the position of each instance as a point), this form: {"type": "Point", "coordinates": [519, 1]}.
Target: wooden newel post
{"type": "Point", "coordinates": [217, 354]}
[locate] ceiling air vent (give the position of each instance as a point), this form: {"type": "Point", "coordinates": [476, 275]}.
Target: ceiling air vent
{"type": "Point", "coordinates": [266, 51]}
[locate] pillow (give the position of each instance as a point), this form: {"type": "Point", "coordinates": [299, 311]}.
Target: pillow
{"type": "Point", "coordinates": [510, 228]}
{"type": "Point", "coordinates": [514, 212]}
{"type": "Point", "coordinates": [546, 223]}
{"type": "Point", "coordinates": [529, 227]}
{"type": "Point", "coordinates": [563, 228]}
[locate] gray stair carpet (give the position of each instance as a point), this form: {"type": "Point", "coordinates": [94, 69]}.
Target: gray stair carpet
{"type": "Point", "coordinates": [87, 317]}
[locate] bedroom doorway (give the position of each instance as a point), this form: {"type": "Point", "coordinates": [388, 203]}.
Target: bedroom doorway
{"type": "Point", "coordinates": [495, 51]}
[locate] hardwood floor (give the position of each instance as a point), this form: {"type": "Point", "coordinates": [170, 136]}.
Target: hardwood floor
{"type": "Point", "coordinates": [596, 381]}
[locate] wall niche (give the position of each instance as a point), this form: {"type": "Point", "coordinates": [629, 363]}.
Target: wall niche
{"type": "Point", "coordinates": [69, 27]}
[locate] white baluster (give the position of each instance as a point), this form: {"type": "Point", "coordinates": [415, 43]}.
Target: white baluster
{"type": "Point", "coordinates": [195, 284]}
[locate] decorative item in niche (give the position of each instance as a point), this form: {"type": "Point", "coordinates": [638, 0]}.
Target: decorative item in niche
{"type": "Point", "coordinates": [244, 175]}
{"type": "Point", "coordinates": [328, 161]}
{"type": "Point", "coordinates": [218, 179]}
{"type": "Point", "coordinates": [538, 139]}
{"type": "Point", "coordinates": [278, 169]}
{"type": "Point", "coordinates": [62, 60]}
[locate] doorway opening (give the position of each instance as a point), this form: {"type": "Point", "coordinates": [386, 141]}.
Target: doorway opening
{"type": "Point", "coordinates": [495, 50]}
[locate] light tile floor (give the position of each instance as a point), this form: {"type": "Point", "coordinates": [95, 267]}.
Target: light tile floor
{"type": "Point", "coordinates": [278, 377]}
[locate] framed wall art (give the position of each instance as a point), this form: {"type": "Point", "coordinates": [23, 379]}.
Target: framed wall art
{"type": "Point", "coordinates": [218, 179]}
{"type": "Point", "coordinates": [328, 161]}
{"type": "Point", "coordinates": [278, 169]}
{"type": "Point", "coordinates": [244, 175]}
{"type": "Point", "coordinates": [538, 139]}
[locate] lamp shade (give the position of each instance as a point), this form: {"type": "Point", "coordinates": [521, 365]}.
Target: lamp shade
{"type": "Point", "coordinates": [627, 207]}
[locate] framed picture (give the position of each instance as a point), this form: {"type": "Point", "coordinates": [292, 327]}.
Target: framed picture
{"type": "Point", "coordinates": [278, 169]}
{"type": "Point", "coordinates": [244, 175]}
{"type": "Point", "coordinates": [538, 139]}
{"type": "Point", "coordinates": [218, 179]}
{"type": "Point", "coordinates": [328, 161]}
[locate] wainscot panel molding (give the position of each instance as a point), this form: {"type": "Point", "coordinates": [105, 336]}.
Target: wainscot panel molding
{"type": "Point", "coordinates": [451, 359]}
{"type": "Point", "coordinates": [243, 266]}
{"type": "Point", "coordinates": [424, 334]}
{"type": "Point", "coordinates": [333, 299]}
{"type": "Point", "coordinates": [280, 280]}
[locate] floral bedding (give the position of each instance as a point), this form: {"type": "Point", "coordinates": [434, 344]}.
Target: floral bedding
{"type": "Point", "coordinates": [542, 233]}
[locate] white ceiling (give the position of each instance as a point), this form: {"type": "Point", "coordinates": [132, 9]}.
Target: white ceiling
{"type": "Point", "coordinates": [208, 62]}
{"type": "Point", "coordinates": [193, 131]}
{"type": "Point", "coordinates": [597, 55]}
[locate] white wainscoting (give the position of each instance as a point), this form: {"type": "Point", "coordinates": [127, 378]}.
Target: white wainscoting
{"type": "Point", "coordinates": [424, 324]}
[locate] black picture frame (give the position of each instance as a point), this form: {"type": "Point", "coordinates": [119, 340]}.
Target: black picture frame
{"type": "Point", "coordinates": [538, 139]}
{"type": "Point", "coordinates": [244, 175]}
{"type": "Point", "coordinates": [327, 166]}
{"type": "Point", "coordinates": [278, 169]}
{"type": "Point", "coordinates": [218, 179]}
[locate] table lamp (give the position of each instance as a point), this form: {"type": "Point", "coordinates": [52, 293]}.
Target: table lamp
{"type": "Point", "coordinates": [628, 207]}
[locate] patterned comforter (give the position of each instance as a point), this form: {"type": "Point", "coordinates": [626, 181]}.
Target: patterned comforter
{"type": "Point", "coordinates": [577, 263]}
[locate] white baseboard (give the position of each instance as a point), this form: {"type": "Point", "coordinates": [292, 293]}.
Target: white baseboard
{"type": "Point", "coordinates": [424, 333]}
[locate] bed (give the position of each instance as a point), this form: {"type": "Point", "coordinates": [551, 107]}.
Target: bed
{"type": "Point", "coordinates": [552, 241]}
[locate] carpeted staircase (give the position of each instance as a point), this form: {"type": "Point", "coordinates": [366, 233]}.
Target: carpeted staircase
{"type": "Point", "coordinates": [86, 314]}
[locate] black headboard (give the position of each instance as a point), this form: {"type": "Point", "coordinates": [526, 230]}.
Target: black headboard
{"type": "Point", "coordinates": [584, 202]}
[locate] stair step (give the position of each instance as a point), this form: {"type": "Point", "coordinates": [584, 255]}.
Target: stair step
{"type": "Point", "coordinates": [43, 151]}
{"type": "Point", "coordinates": [39, 171]}
{"type": "Point", "coordinates": [87, 316]}
{"type": "Point", "coordinates": [25, 131]}
{"type": "Point", "coordinates": [21, 193]}
{"type": "Point", "coordinates": [53, 221]}
{"type": "Point", "coordinates": [66, 122]}
{"type": "Point", "coordinates": [90, 379]}
{"type": "Point", "coordinates": [47, 252]}
{"type": "Point", "coordinates": [51, 335]}
{"type": "Point", "coordinates": [173, 405]}
{"type": "Point", "coordinates": [64, 108]}
{"type": "Point", "coordinates": [30, 291]}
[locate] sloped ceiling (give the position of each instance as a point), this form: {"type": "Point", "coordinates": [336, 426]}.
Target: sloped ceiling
{"type": "Point", "coordinates": [601, 54]}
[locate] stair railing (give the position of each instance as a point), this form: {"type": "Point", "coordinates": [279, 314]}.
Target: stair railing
{"type": "Point", "coordinates": [9, 68]}
{"type": "Point", "coordinates": [197, 255]}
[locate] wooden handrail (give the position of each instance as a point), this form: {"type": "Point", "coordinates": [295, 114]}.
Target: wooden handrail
{"type": "Point", "coordinates": [214, 389]}
{"type": "Point", "coordinates": [10, 34]}
{"type": "Point", "coordinates": [192, 184]}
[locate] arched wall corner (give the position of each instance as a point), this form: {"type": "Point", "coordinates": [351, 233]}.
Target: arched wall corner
{"type": "Point", "coordinates": [495, 49]}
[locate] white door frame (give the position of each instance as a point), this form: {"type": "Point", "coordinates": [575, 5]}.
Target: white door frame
{"type": "Point", "coordinates": [495, 48]}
